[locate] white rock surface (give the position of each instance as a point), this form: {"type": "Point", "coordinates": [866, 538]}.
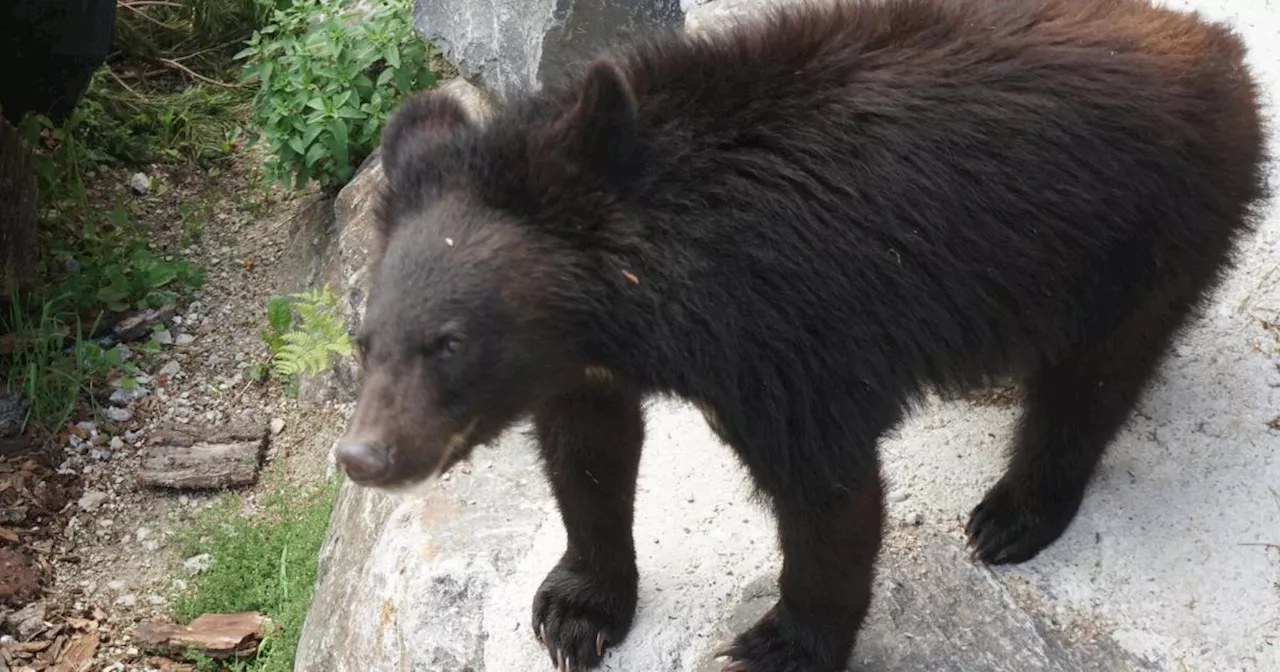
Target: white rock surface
{"type": "Point", "coordinates": [1166, 567]}
{"type": "Point", "coordinates": [505, 46]}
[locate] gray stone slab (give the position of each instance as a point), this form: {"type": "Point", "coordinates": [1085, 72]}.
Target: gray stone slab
{"type": "Point", "coordinates": [504, 46]}
{"type": "Point", "coordinates": [934, 610]}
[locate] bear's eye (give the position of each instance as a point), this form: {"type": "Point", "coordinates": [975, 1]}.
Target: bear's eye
{"type": "Point", "coordinates": [449, 344]}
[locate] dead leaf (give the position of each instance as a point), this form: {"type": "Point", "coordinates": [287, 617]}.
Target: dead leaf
{"type": "Point", "coordinates": [167, 665]}
{"type": "Point", "coordinates": [77, 653]}
{"type": "Point", "coordinates": [29, 647]}
{"type": "Point", "coordinates": [81, 623]}
{"type": "Point", "coordinates": [631, 276]}
{"type": "Point", "coordinates": [217, 635]}
{"type": "Point", "coordinates": [8, 535]}
{"type": "Point", "coordinates": [53, 632]}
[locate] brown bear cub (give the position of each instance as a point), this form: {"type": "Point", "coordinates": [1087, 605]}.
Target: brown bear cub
{"type": "Point", "coordinates": [801, 223]}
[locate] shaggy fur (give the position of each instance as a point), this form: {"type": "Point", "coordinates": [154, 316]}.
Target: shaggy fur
{"type": "Point", "coordinates": [801, 223]}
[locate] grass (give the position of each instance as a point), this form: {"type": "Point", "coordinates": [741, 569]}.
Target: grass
{"type": "Point", "coordinates": [52, 364]}
{"type": "Point", "coordinates": [264, 562]}
{"type": "Point", "coordinates": [102, 262]}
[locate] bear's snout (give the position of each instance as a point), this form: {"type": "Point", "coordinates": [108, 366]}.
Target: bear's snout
{"type": "Point", "coordinates": [365, 462]}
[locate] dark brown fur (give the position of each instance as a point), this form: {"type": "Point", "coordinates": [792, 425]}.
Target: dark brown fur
{"type": "Point", "coordinates": [801, 223]}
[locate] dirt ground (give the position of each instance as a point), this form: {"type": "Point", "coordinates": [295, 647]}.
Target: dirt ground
{"type": "Point", "coordinates": [88, 553]}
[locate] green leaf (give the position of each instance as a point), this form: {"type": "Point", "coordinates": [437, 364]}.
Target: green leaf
{"type": "Point", "coordinates": [338, 143]}
{"type": "Point", "coordinates": [392, 54]}
{"type": "Point", "coordinates": [315, 153]}
{"type": "Point", "coordinates": [161, 275]}
{"type": "Point", "coordinates": [312, 132]}
{"type": "Point", "coordinates": [404, 80]}
{"type": "Point", "coordinates": [112, 294]}
{"type": "Point", "coordinates": [300, 180]}
{"type": "Point", "coordinates": [279, 313]}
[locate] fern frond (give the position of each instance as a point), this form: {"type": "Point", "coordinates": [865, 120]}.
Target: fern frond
{"type": "Point", "coordinates": [319, 333]}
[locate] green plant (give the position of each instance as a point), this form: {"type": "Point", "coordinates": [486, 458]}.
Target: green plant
{"type": "Point", "coordinates": [62, 155]}
{"type": "Point", "coordinates": [199, 34]}
{"type": "Point", "coordinates": [51, 362]}
{"type": "Point", "coordinates": [200, 124]}
{"type": "Point", "coordinates": [328, 74]}
{"type": "Point", "coordinates": [308, 348]}
{"type": "Point", "coordinates": [108, 263]}
{"type": "Point", "coordinates": [266, 562]}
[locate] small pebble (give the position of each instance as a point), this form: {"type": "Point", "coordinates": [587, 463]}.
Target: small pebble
{"type": "Point", "coordinates": [277, 425]}
{"type": "Point", "coordinates": [139, 183]}
{"type": "Point", "coordinates": [92, 499]}
{"type": "Point", "coordinates": [170, 369]}
{"type": "Point", "coordinates": [184, 339]}
{"type": "Point", "coordinates": [117, 414]}
{"type": "Point", "coordinates": [198, 563]}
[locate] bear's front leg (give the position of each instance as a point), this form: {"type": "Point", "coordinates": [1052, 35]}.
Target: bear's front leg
{"type": "Point", "coordinates": [590, 441]}
{"type": "Point", "coordinates": [829, 547]}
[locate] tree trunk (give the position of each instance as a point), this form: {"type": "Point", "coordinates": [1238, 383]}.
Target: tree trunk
{"type": "Point", "coordinates": [17, 212]}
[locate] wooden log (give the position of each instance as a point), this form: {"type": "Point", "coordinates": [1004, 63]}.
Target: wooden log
{"type": "Point", "coordinates": [201, 458]}
{"type": "Point", "coordinates": [18, 215]}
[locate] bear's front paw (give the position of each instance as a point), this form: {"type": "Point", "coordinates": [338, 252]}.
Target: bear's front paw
{"type": "Point", "coordinates": [776, 643]}
{"type": "Point", "coordinates": [578, 613]}
{"type": "Point", "coordinates": [1012, 526]}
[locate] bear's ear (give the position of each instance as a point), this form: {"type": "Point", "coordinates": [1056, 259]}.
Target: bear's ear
{"type": "Point", "coordinates": [421, 122]}
{"type": "Point", "coordinates": [600, 130]}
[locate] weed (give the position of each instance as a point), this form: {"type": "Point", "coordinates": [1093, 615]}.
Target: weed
{"type": "Point", "coordinates": [265, 562]}
{"type": "Point", "coordinates": [328, 74]}
{"type": "Point", "coordinates": [110, 264]}
{"type": "Point", "coordinates": [52, 363]}
{"type": "Point", "coordinates": [310, 347]}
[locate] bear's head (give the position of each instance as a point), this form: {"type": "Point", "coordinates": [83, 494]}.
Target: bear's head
{"type": "Point", "coordinates": [490, 240]}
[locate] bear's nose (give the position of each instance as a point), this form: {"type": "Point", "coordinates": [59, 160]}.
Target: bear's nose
{"type": "Point", "coordinates": [364, 461]}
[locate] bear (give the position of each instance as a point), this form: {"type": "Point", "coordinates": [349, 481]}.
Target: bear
{"type": "Point", "coordinates": [802, 222]}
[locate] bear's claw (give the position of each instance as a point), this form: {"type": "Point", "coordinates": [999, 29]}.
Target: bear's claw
{"type": "Point", "coordinates": [578, 614]}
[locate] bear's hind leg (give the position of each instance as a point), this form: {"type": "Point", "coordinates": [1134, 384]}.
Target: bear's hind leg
{"type": "Point", "coordinates": [1073, 410]}
{"type": "Point", "coordinates": [590, 442]}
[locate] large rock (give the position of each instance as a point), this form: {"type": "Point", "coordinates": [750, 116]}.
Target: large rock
{"type": "Point", "coordinates": [1167, 568]}
{"type": "Point", "coordinates": [505, 46]}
